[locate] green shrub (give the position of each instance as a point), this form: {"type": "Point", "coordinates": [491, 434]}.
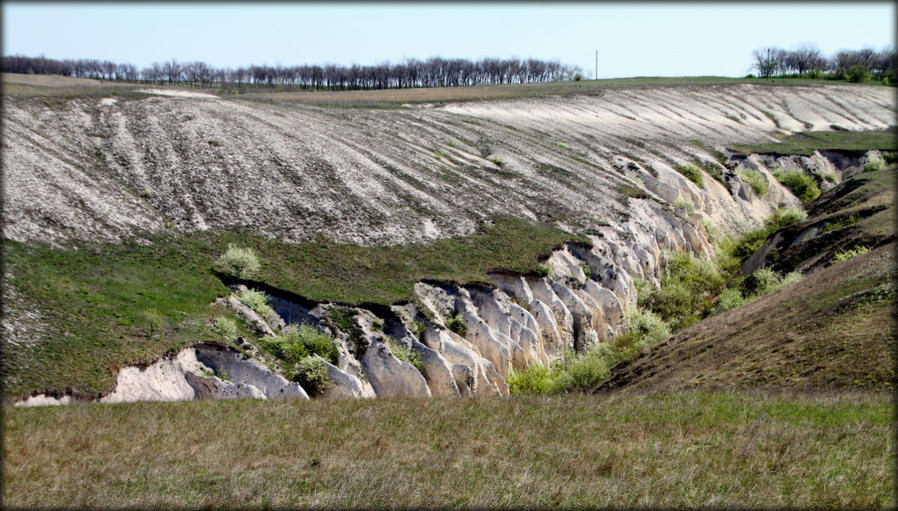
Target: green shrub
{"type": "Point", "coordinates": [586, 271]}
{"type": "Point", "coordinates": [584, 372]}
{"type": "Point", "coordinates": [755, 180]}
{"type": "Point", "coordinates": [761, 282]}
{"type": "Point", "coordinates": [226, 326]}
{"type": "Point", "coordinates": [456, 323]}
{"type": "Point", "coordinates": [257, 301]}
{"type": "Point", "coordinates": [802, 185]}
{"type": "Point", "coordinates": [687, 286]}
{"type": "Point", "coordinates": [874, 164]}
{"type": "Point", "coordinates": [788, 216]}
{"type": "Point", "coordinates": [647, 326]}
{"type": "Point", "coordinates": [311, 374]}
{"type": "Point", "coordinates": [296, 343]}
{"type": "Point", "coordinates": [535, 379]}
{"type": "Point", "coordinates": [154, 321]}
{"type": "Point", "coordinates": [684, 205]}
{"type": "Point", "coordinates": [405, 354]}
{"type": "Point", "coordinates": [497, 161]}
{"type": "Point", "coordinates": [239, 262]}
{"type": "Point", "coordinates": [790, 278]}
{"type": "Point", "coordinates": [643, 292]}
{"type": "Point", "coordinates": [844, 255]}
{"type": "Point", "coordinates": [829, 177]}
{"type": "Point", "coordinates": [692, 173]}
{"type": "Point", "coordinates": [730, 298]}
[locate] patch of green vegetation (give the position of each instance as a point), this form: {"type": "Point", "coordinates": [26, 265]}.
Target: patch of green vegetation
{"type": "Point", "coordinates": [227, 327]}
{"type": "Point", "coordinates": [344, 319]}
{"type": "Point", "coordinates": [92, 301]}
{"type": "Point", "coordinates": [294, 343]}
{"type": "Point", "coordinates": [874, 164]}
{"type": "Point", "coordinates": [755, 179]}
{"type": "Point", "coordinates": [806, 143]}
{"type": "Point", "coordinates": [404, 354]}
{"type": "Point", "coordinates": [311, 374]}
{"type": "Point", "coordinates": [456, 323]}
{"type": "Point", "coordinates": [353, 274]}
{"type": "Point", "coordinates": [685, 205]}
{"type": "Point", "coordinates": [584, 372]}
{"type": "Point", "coordinates": [693, 173]}
{"type": "Point", "coordinates": [802, 185]}
{"type": "Point", "coordinates": [257, 301]}
{"type": "Point", "coordinates": [238, 262]}
{"type": "Point", "coordinates": [845, 255]}
{"type": "Point", "coordinates": [762, 282]}
{"type": "Point", "coordinates": [688, 286]}
{"type": "Point", "coordinates": [842, 222]}
{"type": "Point", "coordinates": [497, 161]}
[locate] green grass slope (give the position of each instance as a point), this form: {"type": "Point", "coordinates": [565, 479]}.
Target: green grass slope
{"type": "Point", "coordinates": [104, 306]}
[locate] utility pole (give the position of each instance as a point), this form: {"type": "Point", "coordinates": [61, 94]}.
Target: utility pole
{"type": "Point", "coordinates": [597, 65]}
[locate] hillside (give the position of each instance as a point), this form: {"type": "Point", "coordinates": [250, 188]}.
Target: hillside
{"type": "Point", "coordinates": [184, 249]}
{"type": "Point", "coordinates": [835, 329]}
{"type": "Point", "coordinates": [480, 236]}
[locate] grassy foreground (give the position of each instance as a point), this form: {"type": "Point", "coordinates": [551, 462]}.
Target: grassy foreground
{"type": "Point", "coordinates": [675, 449]}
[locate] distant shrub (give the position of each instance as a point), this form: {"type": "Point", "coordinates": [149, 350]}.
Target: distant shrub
{"type": "Point", "coordinates": [153, 320]}
{"type": "Point", "coordinates": [647, 326]}
{"type": "Point", "coordinates": [845, 255]}
{"type": "Point", "coordinates": [295, 343]}
{"type": "Point", "coordinates": [257, 301]}
{"type": "Point", "coordinates": [226, 326]}
{"type": "Point", "coordinates": [692, 173]}
{"type": "Point", "coordinates": [684, 205]}
{"type": "Point", "coordinates": [760, 282]}
{"type": "Point", "coordinates": [788, 216]}
{"type": "Point", "coordinates": [456, 323]}
{"type": "Point", "coordinates": [405, 354]}
{"type": "Point", "coordinates": [755, 180]}
{"type": "Point", "coordinates": [874, 164]}
{"type": "Point", "coordinates": [829, 177]}
{"type": "Point", "coordinates": [802, 185]}
{"type": "Point", "coordinates": [535, 379]}
{"type": "Point", "coordinates": [311, 374]}
{"type": "Point", "coordinates": [497, 161]}
{"type": "Point", "coordinates": [687, 287]}
{"type": "Point", "coordinates": [584, 372]}
{"type": "Point", "coordinates": [730, 298]}
{"type": "Point", "coordinates": [239, 262]}
{"type": "Point", "coordinates": [643, 292]}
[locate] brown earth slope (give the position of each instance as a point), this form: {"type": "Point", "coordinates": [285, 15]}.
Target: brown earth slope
{"type": "Point", "coordinates": [834, 329]}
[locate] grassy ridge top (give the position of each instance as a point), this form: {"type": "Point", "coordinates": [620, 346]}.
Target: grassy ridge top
{"type": "Point", "coordinates": [15, 85]}
{"type": "Point", "coordinates": [838, 140]}
{"type": "Point", "coordinates": [106, 306]}
{"type": "Point", "coordinates": [663, 450]}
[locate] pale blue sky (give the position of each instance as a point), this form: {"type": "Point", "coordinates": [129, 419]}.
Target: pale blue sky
{"type": "Point", "coordinates": [653, 39]}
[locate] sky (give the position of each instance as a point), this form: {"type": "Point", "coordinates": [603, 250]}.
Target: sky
{"type": "Point", "coordinates": [632, 39]}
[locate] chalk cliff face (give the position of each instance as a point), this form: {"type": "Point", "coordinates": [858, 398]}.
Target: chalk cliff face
{"type": "Point", "coordinates": [604, 165]}
{"type": "Point", "coordinates": [106, 169]}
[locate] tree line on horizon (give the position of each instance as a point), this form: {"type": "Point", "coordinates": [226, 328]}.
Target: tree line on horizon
{"type": "Point", "coordinates": [808, 61]}
{"type": "Point", "coordinates": [432, 72]}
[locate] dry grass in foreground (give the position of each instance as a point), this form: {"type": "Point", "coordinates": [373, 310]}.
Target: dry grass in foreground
{"type": "Point", "coordinates": [674, 449]}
